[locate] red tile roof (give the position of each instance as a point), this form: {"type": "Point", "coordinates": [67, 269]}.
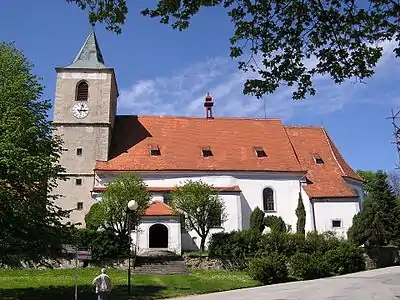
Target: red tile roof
{"type": "Point", "coordinates": [232, 141]}
{"type": "Point", "coordinates": [325, 180]}
{"type": "Point", "coordinates": [159, 208]}
{"type": "Point", "coordinates": [181, 140]}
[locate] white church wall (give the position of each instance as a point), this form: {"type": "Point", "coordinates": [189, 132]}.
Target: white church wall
{"type": "Point", "coordinates": [328, 210]}
{"type": "Point", "coordinates": [239, 206]}
{"type": "Point", "coordinates": [174, 233]}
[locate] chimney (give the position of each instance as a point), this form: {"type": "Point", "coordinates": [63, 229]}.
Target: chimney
{"type": "Point", "coordinates": [208, 104]}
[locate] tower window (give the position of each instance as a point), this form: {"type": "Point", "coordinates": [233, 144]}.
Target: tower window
{"type": "Point", "coordinates": [79, 151]}
{"type": "Point", "coordinates": [206, 152]}
{"type": "Point", "coordinates": [82, 91]}
{"type": "Point", "coordinates": [79, 205]}
{"type": "Point", "coordinates": [78, 181]}
{"type": "Point", "coordinates": [260, 152]}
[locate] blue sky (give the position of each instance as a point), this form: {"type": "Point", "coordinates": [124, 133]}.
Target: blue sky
{"type": "Point", "coordinates": [162, 71]}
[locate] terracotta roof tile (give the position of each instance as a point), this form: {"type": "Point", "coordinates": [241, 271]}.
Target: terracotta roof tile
{"type": "Point", "coordinates": [326, 180]}
{"type": "Point", "coordinates": [159, 208]}
{"type": "Point", "coordinates": [180, 139]}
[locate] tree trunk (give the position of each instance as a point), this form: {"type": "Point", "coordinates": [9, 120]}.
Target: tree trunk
{"type": "Point", "coordinates": [202, 243]}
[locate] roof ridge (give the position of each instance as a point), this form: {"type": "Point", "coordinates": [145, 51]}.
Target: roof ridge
{"type": "Point", "coordinates": [200, 118]}
{"type": "Point", "coordinates": [331, 149]}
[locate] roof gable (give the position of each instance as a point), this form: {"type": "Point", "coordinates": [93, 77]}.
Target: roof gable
{"type": "Point", "coordinates": [326, 178]}
{"type": "Point", "coordinates": [159, 208]}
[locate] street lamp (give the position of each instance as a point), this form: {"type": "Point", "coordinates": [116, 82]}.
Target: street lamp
{"type": "Point", "coordinates": [132, 206]}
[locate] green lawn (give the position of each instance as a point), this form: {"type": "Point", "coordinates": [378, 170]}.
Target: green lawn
{"type": "Point", "coordinates": [59, 284]}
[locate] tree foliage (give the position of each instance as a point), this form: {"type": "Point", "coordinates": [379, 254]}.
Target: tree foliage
{"type": "Point", "coordinates": [287, 43]}
{"type": "Point", "coordinates": [112, 209]}
{"type": "Point", "coordinates": [93, 218]}
{"type": "Point", "coordinates": [276, 224]}
{"type": "Point", "coordinates": [301, 216]}
{"type": "Point", "coordinates": [201, 205]}
{"type": "Point", "coordinates": [377, 222]}
{"type": "Point", "coordinates": [257, 220]}
{"type": "Point", "coordinates": [30, 221]}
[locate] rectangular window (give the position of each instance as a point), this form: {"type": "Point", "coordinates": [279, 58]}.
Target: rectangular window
{"type": "Point", "coordinates": [154, 150]}
{"type": "Point", "coordinates": [206, 152]}
{"type": "Point", "coordinates": [336, 223]}
{"type": "Point", "coordinates": [318, 159]}
{"type": "Point", "coordinates": [79, 205]}
{"type": "Point", "coordinates": [260, 152]}
{"type": "Point", "coordinates": [78, 181]}
{"type": "Point", "coordinates": [79, 151]}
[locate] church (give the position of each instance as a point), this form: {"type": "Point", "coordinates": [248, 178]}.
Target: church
{"type": "Point", "coordinates": [250, 162]}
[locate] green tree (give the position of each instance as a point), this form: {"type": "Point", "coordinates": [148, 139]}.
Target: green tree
{"type": "Point", "coordinates": [201, 205]}
{"type": "Point", "coordinates": [276, 224]}
{"type": "Point", "coordinates": [369, 178]}
{"type": "Point", "coordinates": [301, 216]}
{"type": "Point", "coordinates": [377, 222]}
{"type": "Point", "coordinates": [286, 42]}
{"type": "Point", "coordinates": [257, 219]}
{"type": "Point", "coordinates": [113, 206]}
{"type": "Point", "coordinates": [93, 218]}
{"type": "Point", "coordinates": [30, 221]}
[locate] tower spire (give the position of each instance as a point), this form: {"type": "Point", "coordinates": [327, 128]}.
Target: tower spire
{"type": "Point", "coordinates": [89, 56]}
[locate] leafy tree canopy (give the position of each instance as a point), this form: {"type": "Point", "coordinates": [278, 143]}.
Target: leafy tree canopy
{"type": "Point", "coordinates": [287, 42]}
{"type": "Point", "coordinates": [110, 213]}
{"type": "Point", "coordinates": [202, 207]}
{"type": "Point", "coordinates": [30, 222]}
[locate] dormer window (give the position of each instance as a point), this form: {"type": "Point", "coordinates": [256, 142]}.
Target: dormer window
{"type": "Point", "coordinates": [260, 152]}
{"type": "Point", "coordinates": [155, 150]}
{"type": "Point", "coordinates": [318, 159]}
{"type": "Point", "coordinates": [82, 91]}
{"type": "Point", "coordinates": [206, 152]}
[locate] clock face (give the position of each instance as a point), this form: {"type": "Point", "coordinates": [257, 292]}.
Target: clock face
{"type": "Point", "coordinates": [80, 110]}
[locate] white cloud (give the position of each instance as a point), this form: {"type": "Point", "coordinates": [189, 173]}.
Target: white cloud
{"type": "Point", "coordinates": [183, 92]}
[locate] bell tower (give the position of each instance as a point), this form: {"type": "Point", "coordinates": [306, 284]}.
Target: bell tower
{"type": "Point", "coordinates": [84, 112]}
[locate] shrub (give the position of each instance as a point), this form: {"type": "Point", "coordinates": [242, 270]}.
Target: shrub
{"type": "Point", "coordinates": [344, 259]}
{"type": "Point", "coordinates": [321, 242]}
{"type": "Point", "coordinates": [268, 269]}
{"type": "Point", "coordinates": [308, 266]}
{"type": "Point", "coordinates": [276, 224]}
{"type": "Point", "coordinates": [105, 245]}
{"type": "Point", "coordinates": [301, 216]}
{"type": "Point", "coordinates": [236, 248]}
{"type": "Point", "coordinates": [257, 220]}
{"type": "Point", "coordinates": [284, 243]}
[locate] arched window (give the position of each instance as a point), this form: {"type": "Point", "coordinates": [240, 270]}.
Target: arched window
{"type": "Point", "coordinates": [82, 91]}
{"type": "Point", "coordinates": [268, 199]}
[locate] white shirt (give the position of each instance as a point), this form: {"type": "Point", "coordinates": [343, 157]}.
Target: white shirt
{"type": "Point", "coordinates": [103, 283]}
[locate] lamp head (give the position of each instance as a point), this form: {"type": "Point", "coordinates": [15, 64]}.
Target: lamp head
{"type": "Point", "coordinates": [132, 205]}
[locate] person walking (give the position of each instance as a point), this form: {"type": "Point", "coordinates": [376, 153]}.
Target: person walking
{"type": "Point", "coordinates": [103, 285]}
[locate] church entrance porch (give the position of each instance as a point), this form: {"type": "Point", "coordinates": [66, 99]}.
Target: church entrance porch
{"type": "Point", "coordinates": [158, 236]}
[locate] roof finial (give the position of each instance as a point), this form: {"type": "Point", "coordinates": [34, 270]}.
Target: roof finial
{"type": "Point", "coordinates": [208, 104]}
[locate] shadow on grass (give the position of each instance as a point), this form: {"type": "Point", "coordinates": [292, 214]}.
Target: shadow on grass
{"type": "Point", "coordinates": [85, 292]}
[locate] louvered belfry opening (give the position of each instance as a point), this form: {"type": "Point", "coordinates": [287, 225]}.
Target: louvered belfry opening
{"type": "Point", "coordinates": [82, 91]}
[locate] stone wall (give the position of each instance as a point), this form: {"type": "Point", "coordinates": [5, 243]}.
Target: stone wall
{"type": "Point", "coordinates": [202, 262]}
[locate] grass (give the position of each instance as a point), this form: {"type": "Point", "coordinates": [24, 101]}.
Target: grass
{"type": "Point", "coordinates": [59, 284]}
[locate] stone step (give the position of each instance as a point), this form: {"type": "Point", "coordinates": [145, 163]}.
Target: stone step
{"type": "Point", "coordinates": [160, 266]}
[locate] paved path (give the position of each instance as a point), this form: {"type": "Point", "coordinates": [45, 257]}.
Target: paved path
{"type": "Point", "coordinates": [382, 284]}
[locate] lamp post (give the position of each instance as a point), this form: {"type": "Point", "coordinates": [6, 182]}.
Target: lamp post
{"type": "Point", "coordinates": [132, 206]}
